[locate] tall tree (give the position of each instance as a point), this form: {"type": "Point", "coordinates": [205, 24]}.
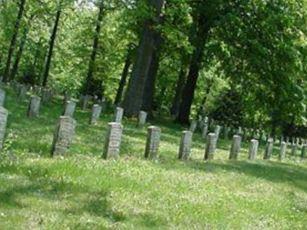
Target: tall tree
{"type": "Point", "coordinates": [19, 54]}
{"type": "Point", "coordinates": [202, 30]}
{"type": "Point", "coordinates": [91, 67]}
{"type": "Point", "coordinates": [6, 74]}
{"type": "Point", "coordinates": [178, 92]}
{"type": "Point", "coordinates": [134, 95]}
{"type": "Point", "coordinates": [124, 75]}
{"type": "Point", "coordinates": [51, 44]}
{"type": "Point", "coordinates": [149, 89]}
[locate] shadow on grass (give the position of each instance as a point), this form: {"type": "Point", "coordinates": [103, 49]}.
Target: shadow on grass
{"type": "Point", "coordinates": [38, 182]}
{"type": "Point", "coordinates": [39, 185]}
{"type": "Point", "coordinates": [271, 171]}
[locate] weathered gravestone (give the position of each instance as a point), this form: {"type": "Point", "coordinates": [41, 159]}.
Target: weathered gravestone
{"type": "Point", "coordinates": [253, 149]}
{"type": "Point", "coordinates": [226, 132]}
{"type": "Point", "coordinates": [46, 95]}
{"type": "Point", "coordinates": [239, 131]}
{"type": "Point", "coordinates": [3, 123]}
{"type": "Point", "coordinates": [205, 130]}
{"type": "Point", "coordinates": [63, 135]}
{"type": "Point", "coordinates": [22, 92]}
{"type": "Point", "coordinates": [210, 146]}
{"type": "Point", "coordinates": [287, 139]}
{"type": "Point", "coordinates": [283, 149]}
{"type": "Point", "coordinates": [34, 105]}
{"type": "Point", "coordinates": [268, 149]}
{"type": "Point", "coordinates": [293, 148]}
{"type": "Point", "coordinates": [66, 97]}
{"type": "Point", "coordinates": [201, 124]}
{"type": "Point", "coordinates": [153, 142]}
{"type": "Point", "coordinates": [103, 104]}
{"type": "Point", "coordinates": [142, 118]}
{"type": "Point", "coordinates": [85, 99]}
{"type": "Point", "coordinates": [113, 141]}
{"type": "Point", "coordinates": [118, 115]}
{"type": "Point", "coordinates": [217, 131]}
{"type": "Point", "coordinates": [235, 147]}
{"type": "Point", "coordinates": [185, 145]}
{"type": "Point", "coordinates": [96, 111]}
{"type": "Point", "coordinates": [70, 108]}
{"type": "Point", "coordinates": [2, 97]}
{"type": "Point", "coordinates": [193, 126]}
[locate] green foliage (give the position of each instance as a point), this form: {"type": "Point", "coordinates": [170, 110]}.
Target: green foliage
{"type": "Point", "coordinates": [257, 46]}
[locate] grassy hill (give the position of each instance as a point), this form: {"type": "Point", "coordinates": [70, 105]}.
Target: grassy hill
{"type": "Point", "coordinates": [83, 191]}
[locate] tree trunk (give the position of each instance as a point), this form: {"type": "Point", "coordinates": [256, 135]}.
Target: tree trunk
{"type": "Point", "coordinates": [51, 45]}
{"type": "Point", "coordinates": [18, 55]}
{"type": "Point", "coordinates": [189, 88]}
{"type": "Point", "coordinates": [149, 90]}
{"type": "Point", "coordinates": [91, 66]}
{"type": "Point", "coordinates": [195, 65]}
{"type": "Point", "coordinates": [178, 92]}
{"type": "Point", "coordinates": [123, 79]}
{"type": "Point", "coordinates": [134, 95]}
{"type": "Point", "coordinates": [6, 75]}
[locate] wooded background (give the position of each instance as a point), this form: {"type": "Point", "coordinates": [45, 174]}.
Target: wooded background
{"type": "Point", "coordinates": [240, 62]}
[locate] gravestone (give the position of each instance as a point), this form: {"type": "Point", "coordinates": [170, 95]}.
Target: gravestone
{"type": "Point", "coordinates": [46, 95]}
{"type": "Point", "coordinates": [281, 139]}
{"type": "Point", "coordinates": [210, 146]}
{"type": "Point", "coordinates": [185, 145]}
{"type": "Point", "coordinates": [239, 131]}
{"type": "Point", "coordinates": [2, 97]}
{"type": "Point", "coordinates": [67, 97]}
{"type": "Point", "coordinates": [253, 149]}
{"type": "Point", "coordinates": [287, 139]}
{"type": "Point", "coordinates": [293, 148]}
{"type": "Point", "coordinates": [85, 99]}
{"type": "Point", "coordinates": [3, 122]}
{"type": "Point", "coordinates": [96, 111]}
{"type": "Point", "coordinates": [113, 141]}
{"type": "Point", "coordinates": [200, 124]}
{"type": "Point", "coordinates": [268, 149]}
{"type": "Point", "coordinates": [205, 130]}
{"type": "Point", "coordinates": [283, 150]}
{"type": "Point", "coordinates": [235, 147]}
{"type": "Point", "coordinates": [22, 92]}
{"type": "Point", "coordinates": [63, 135]}
{"type": "Point", "coordinates": [118, 116]}
{"type": "Point", "coordinates": [303, 154]}
{"type": "Point", "coordinates": [69, 108]}
{"type": "Point", "coordinates": [142, 118]}
{"type": "Point", "coordinates": [217, 131]}
{"type": "Point", "coordinates": [103, 104]}
{"type": "Point", "coordinates": [153, 142]}
{"type": "Point", "coordinates": [33, 109]}
{"type": "Point", "coordinates": [193, 126]}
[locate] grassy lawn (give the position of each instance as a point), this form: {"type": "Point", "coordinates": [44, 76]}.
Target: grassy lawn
{"type": "Point", "coordinates": [83, 191]}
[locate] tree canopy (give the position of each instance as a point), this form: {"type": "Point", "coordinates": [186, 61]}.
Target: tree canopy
{"type": "Point", "coordinates": [242, 63]}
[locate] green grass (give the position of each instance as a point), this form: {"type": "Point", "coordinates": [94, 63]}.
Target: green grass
{"type": "Point", "coordinates": [83, 191]}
